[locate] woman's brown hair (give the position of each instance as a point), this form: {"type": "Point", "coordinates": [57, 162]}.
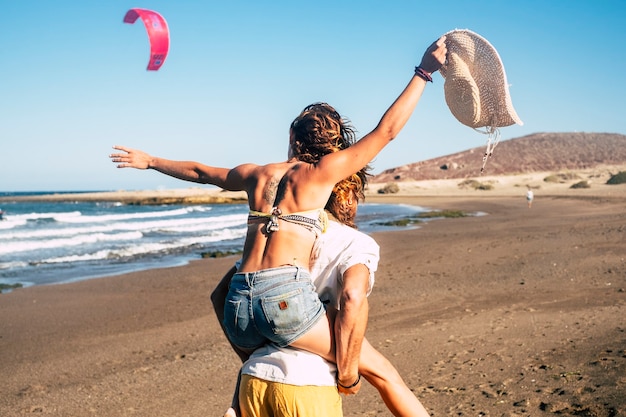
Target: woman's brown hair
{"type": "Point", "coordinates": [318, 131]}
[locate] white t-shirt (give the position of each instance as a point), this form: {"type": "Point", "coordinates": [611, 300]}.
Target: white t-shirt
{"type": "Point", "coordinates": [338, 249]}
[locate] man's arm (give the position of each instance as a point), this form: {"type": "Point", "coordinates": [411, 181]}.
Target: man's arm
{"type": "Point", "coordinates": [350, 326]}
{"type": "Point", "coordinates": [218, 298]}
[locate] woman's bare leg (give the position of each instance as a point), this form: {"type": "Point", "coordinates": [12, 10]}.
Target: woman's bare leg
{"type": "Point", "coordinates": [318, 339]}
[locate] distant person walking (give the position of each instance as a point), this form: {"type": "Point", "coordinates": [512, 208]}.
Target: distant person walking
{"type": "Point", "coordinates": [529, 197]}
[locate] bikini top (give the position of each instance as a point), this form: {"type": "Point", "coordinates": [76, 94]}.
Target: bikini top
{"type": "Point", "coordinates": [315, 221]}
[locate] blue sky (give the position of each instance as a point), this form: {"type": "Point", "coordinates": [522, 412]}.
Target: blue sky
{"type": "Point", "coordinates": [73, 79]}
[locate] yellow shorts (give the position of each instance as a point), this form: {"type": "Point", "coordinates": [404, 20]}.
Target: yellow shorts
{"type": "Point", "coordinates": [259, 398]}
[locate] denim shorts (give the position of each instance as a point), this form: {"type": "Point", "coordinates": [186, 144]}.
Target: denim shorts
{"type": "Point", "coordinates": [272, 305]}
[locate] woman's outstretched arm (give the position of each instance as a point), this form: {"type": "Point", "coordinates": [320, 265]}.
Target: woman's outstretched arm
{"type": "Point", "coordinates": [228, 179]}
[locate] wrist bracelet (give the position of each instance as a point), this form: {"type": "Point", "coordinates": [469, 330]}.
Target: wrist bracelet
{"type": "Point", "coordinates": [421, 72]}
{"type": "Point", "coordinates": [350, 386]}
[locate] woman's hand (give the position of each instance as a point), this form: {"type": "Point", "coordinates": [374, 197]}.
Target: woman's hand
{"type": "Point", "coordinates": [131, 158]}
{"type": "Point", "coordinates": [435, 56]}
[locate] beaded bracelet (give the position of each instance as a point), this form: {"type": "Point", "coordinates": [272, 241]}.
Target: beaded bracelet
{"type": "Point", "coordinates": [350, 386]}
{"type": "Point", "coordinates": [421, 72]}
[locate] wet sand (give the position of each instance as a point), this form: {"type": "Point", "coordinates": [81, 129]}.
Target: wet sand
{"type": "Point", "coordinates": [520, 312]}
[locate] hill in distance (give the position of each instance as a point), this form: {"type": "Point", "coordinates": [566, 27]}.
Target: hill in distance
{"type": "Point", "coordinates": [539, 152]}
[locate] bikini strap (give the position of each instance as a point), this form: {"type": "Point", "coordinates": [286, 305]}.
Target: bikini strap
{"type": "Point", "coordinates": [321, 223]}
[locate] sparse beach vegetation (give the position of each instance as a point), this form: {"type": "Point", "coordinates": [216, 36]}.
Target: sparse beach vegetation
{"type": "Point", "coordinates": [389, 188]}
{"type": "Point", "coordinates": [449, 214]}
{"type": "Point", "coordinates": [476, 185]}
{"type": "Point", "coordinates": [5, 287]}
{"type": "Point", "coordinates": [619, 178]}
{"type": "Point", "coordinates": [406, 221]}
{"type": "Point", "coordinates": [220, 254]}
{"type": "Point", "coordinates": [562, 177]}
{"type": "Point", "coordinates": [419, 218]}
{"type": "Point", "coordinates": [581, 184]}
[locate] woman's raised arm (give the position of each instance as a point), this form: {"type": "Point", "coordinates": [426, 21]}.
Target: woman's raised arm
{"type": "Point", "coordinates": [339, 165]}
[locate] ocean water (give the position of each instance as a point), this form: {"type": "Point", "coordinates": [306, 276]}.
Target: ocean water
{"type": "Point", "coordinates": [59, 242]}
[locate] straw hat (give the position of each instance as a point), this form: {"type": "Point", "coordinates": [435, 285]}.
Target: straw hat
{"type": "Point", "coordinates": [475, 85]}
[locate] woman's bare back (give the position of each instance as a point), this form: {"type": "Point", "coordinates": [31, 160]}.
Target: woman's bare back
{"type": "Point", "coordinates": [290, 188]}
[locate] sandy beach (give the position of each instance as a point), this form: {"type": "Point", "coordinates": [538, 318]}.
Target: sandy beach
{"type": "Point", "coordinates": [519, 312]}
